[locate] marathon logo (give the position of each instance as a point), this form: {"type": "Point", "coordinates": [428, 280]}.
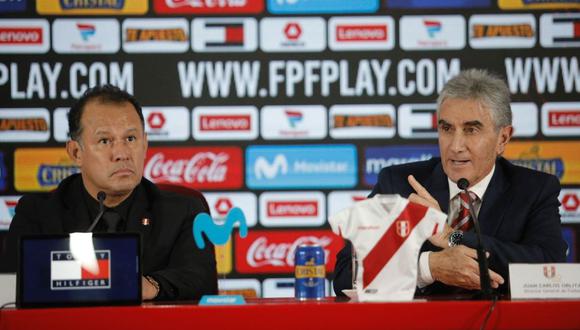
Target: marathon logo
{"type": "Point", "coordinates": [361, 33]}
{"type": "Point", "coordinates": [92, 4]}
{"type": "Point", "coordinates": [37, 124]}
{"type": "Point", "coordinates": [225, 123]}
{"type": "Point", "coordinates": [503, 30]}
{"type": "Point", "coordinates": [66, 273]}
{"type": "Point", "coordinates": [176, 34]}
{"type": "Point", "coordinates": [341, 121]}
{"type": "Point", "coordinates": [564, 118]}
{"type": "Point", "coordinates": [20, 36]}
{"type": "Point", "coordinates": [52, 175]}
{"type": "Point", "coordinates": [292, 209]}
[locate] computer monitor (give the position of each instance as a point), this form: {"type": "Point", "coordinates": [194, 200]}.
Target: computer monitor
{"type": "Point", "coordinates": [79, 269]}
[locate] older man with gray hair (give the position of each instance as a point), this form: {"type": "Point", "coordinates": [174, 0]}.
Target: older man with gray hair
{"type": "Point", "coordinates": [517, 207]}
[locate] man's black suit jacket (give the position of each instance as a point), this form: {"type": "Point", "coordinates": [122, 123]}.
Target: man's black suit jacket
{"type": "Point", "coordinates": [519, 217]}
{"type": "Point", "coordinates": [169, 252]}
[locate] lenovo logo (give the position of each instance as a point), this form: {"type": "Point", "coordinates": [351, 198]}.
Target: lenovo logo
{"type": "Point", "coordinates": [292, 208]}
{"type": "Point", "coordinates": [361, 32]}
{"type": "Point", "coordinates": [21, 36]}
{"type": "Point", "coordinates": [560, 118]}
{"type": "Point", "coordinates": [564, 118]}
{"type": "Point", "coordinates": [225, 123]}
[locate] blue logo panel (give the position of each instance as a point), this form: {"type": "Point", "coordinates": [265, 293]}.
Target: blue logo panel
{"type": "Point", "coordinates": [437, 3]}
{"type": "Point", "coordinates": [12, 6]}
{"type": "Point", "coordinates": [300, 167]}
{"type": "Point", "coordinates": [377, 158]}
{"type": "Point", "coordinates": [322, 6]}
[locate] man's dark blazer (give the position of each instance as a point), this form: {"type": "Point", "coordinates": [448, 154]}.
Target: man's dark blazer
{"type": "Point", "coordinates": [169, 252]}
{"type": "Point", "coordinates": [519, 217]}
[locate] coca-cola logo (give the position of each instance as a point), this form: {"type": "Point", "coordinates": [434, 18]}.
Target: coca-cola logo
{"type": "Point", "coordinates": [205, 3]}
{"type": "Point", "coordinates": [261, 252]}
{"type": "Point", "coordinates": [195, 167]}
{"type": "Point", "coordinates": [202, 167]}
{"type": "Point", "coordinates": [273, 252]}
{"type": "Point", "coordinates": [209, 6]}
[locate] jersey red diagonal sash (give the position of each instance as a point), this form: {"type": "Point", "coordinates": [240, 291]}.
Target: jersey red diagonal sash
{"type": "Point", "coordinates": [392, 240]}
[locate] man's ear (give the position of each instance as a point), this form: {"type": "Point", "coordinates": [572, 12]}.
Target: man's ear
{"type": "Point", "coordinates": [74, 151]}
{"type": "Point", "coordinates": [505, 135]}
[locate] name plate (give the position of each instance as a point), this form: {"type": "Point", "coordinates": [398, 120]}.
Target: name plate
{"type": "Point", "coordinates": [212, 300]}
{"type": "Point", "coordinates": [544, 281]}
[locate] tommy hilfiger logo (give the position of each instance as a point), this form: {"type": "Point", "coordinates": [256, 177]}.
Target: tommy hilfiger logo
{"type": "Point", "coordinates": [66, 273]}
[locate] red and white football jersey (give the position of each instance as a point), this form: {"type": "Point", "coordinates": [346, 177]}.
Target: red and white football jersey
{"type": "Point", "coordinates": [387, 232]}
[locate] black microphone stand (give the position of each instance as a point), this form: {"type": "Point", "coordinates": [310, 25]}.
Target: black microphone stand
{"type": "Point", "coordinates": [484, 279]}
{"type": "Point", "coordinates": [101, 197]}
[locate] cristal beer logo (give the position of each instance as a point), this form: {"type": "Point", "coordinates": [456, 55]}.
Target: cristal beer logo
{"type": "Point", "coordinates": [195, 167]}
{"type": "Point", "coordinates": [262, 252]}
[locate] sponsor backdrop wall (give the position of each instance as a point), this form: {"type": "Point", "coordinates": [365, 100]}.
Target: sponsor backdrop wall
{"type": "Point", "coordinates": [285, 108]}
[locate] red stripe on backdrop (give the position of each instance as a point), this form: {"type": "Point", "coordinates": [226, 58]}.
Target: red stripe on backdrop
{"type": "Point", "coordinates": [234, 34]}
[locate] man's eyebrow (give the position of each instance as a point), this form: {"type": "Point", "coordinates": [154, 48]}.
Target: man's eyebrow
{"type": "Point", "coordinates": [442, 122]}
{"type": "Point", "coordinates": [475, 123]}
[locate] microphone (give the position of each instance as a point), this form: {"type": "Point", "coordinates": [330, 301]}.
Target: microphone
{"type": "Point", "coordinates": [484, 279]}
{"type": "Point", "coordinates": [101, 197]}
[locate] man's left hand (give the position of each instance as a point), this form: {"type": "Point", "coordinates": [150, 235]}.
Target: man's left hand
{"type": "Point", "coordinates": [148, 291]}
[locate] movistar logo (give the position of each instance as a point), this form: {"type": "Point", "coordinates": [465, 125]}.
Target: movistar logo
{"type": "Point", "coordinates": [266, 170]}
{"type": "Point", "coordinates": [218, 234]}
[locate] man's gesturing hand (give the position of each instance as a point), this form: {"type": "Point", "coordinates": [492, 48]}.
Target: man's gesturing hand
{"type": "Point", "coordinates": [421, 195]}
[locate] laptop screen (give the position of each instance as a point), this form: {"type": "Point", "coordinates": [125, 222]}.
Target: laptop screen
{"type": "Point", "coordinates": [79, 269]}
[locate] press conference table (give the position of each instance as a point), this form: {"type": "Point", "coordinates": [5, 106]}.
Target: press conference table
{"type": "Point", "coordinates": [273, 314]}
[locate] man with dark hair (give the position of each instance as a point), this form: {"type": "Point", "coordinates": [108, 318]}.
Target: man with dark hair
{"type": "Point", "coordinates": [108, 143]}
{"type": "Point", "coordinates": [517, 207]}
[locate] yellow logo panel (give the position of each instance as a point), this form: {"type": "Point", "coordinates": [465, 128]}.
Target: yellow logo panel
{"type": "Point", "coordinates": [538, 4]}
{"type": "Point", "coordinates": [92, 7]}
{"type": "Point", "coordinates": [561, 159]}
{"type": "Point", "coordinates": [41, 169]}
{"type": "Point", "coordinates": [223, 255]}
